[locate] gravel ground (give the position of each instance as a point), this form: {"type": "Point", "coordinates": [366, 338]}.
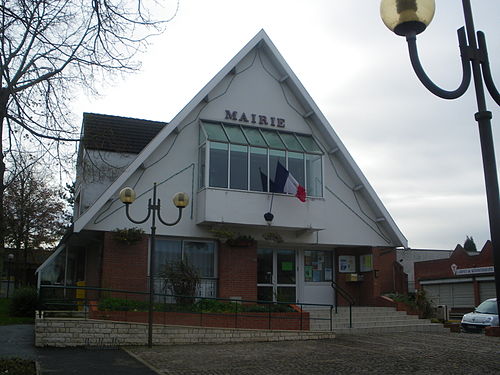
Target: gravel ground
{"type": "Point", "coordinates": [395, 353]}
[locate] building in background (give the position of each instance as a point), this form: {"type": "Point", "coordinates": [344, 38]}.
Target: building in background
{"type": "Point", "coordinates": [460, 282]}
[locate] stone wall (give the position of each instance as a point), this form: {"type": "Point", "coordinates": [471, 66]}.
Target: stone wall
{"type": "Point", "coordinates": [67, 332]}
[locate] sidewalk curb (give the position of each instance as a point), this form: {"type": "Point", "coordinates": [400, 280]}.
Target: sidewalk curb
{"type": "Point", "coordinates": [139, 359]}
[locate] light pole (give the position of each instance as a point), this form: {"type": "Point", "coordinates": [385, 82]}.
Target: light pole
{"type": "Point", "coordinates": [409, 18]}
{"type": "Point", "coordinates": [181, 200]}
{"type": "Point", "coordinates": [10, 258]}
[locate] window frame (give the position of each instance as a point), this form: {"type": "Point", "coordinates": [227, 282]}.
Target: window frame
{"type": "Point", "coordinates": [205, 141]}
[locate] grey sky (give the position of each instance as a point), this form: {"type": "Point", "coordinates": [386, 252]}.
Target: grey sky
{"type": "Point", "coordinates": [420, 153]}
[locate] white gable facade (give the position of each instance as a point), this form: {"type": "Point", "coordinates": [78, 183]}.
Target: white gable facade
{"type": "Point", "coordinates": [222, 150]}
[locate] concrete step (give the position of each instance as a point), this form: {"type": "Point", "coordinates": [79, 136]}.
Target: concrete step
{"type": "Point", "coordinates": [430, 327]}
{"type": "Point", "coordinates": [370, 320]}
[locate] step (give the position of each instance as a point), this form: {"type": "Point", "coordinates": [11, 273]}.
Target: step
{"type": "Point", "coordinates": [430, 327]}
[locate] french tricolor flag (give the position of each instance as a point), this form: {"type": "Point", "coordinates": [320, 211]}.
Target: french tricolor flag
{"type": "Point", "coordinates": [284, 182]}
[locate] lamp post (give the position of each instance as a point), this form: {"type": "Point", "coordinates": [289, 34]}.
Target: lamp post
{"type": "Point", "coordinates": [10, 258]}
{"type": "Point", "coordinates": [411, 17]}
{"type": "Point", "coordinates": [180, 200]}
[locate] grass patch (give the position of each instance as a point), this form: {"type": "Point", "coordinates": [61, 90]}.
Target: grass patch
{"type": "Point", "coordinates": [6, 319]}
{"type": "Point", "coordinates": [17, 366]}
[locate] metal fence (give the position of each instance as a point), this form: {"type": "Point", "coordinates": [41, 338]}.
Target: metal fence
{"type": "Point", "coordinates": [169, 309]}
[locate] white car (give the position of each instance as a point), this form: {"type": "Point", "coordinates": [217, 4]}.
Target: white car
{"type": "Point", "coordinates": [485, 315]}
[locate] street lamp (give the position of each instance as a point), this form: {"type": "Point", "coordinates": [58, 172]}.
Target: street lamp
{"type": "Point", "coordinates": [180, 200]}
{"type": "Point", "coordinates": [10, 258]}
{"type": "Point", "coordinates": [409, 18]}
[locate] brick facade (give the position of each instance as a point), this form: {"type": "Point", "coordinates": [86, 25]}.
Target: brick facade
{"type": "Point", "coordinates": [124, 266]}
{"type": "Point", "coordinates": [387, 276]}
{"type": "Point", "coordinates": [237, 272]}
{"type": "Point", "coordinates": [441, 268]}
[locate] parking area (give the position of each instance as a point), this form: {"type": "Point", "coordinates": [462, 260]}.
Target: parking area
{"type": "Point", "coordinates": [396, 353]}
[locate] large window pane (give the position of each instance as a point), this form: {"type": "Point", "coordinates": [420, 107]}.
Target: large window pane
{"type": "Point", "coordinates": [167, 252]}
{"type": "Point", "coordinates": [201, 256]}
{"type": "Point", "coordinates": [318, 266]}
{"type": "Point", "coordinates": [254, 137]}
{"type": "Point", "coordinates": [215, 132]}
{"type": "Point", "coordinates": [286, 267]}
{"type": "Point", "coordinates": [239, 167]}
{"type": "Point", "coordinates": [296, 167]}
{"type": "Point", "coordinates": [314, 176]}
{"type": "Point", "coordinates": [258, 169]}
{"type": "Point", "coordinates": [218, 164]}
{"type": "Point", "coordinates": [291, 142]}
{"type": "Point", "coordinates": [235, 134]}
{"type": "Point", "coordinates": [273, 139]}
{"type": "Point", "coordinates": [309, 143]}
{"type": "Point", "coordinates": [265, 266]}
{"type": "Point", "coordinates": [275, 156]}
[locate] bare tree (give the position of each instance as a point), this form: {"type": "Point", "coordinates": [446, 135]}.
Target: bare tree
{"type": "Point", "coordinates": [35, 212]}
{"type": "Point", "coordinates": [50, 50]}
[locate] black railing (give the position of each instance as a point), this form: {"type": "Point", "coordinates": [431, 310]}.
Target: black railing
{"type": "Point", "coordinates": [116, 304]}
{"type": "Point", "coordinates": [348, 297]}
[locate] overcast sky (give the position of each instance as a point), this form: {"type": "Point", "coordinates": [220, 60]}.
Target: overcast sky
{"type": "Point", "coordinates": [420, 153]}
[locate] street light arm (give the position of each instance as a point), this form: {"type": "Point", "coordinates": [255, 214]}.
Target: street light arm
{"type": "Point", "coordinates": [137, 221]}
{"type": "Point", "coordinates": [164, 222]}
{"type": "Point", "coordinates": [411, 38]}
{"type": "Point", "coordinates": [485, 64]}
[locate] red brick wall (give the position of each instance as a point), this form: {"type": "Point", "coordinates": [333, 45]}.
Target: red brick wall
{"type": "Point", "coordinates": [237, 272]}
{"type": "Point", "coordinates": [124, 266]}
{"type": "Point", "coordinates": [387, 278]}
{"type": "Point", "coordinates": [441, 268]}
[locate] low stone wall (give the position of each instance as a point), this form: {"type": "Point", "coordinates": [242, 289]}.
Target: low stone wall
{"type": "Point", "coordinates": [66, 332]}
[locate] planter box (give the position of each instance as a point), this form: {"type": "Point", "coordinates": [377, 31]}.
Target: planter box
{"type": "Point", "coordinates": [250, 320]}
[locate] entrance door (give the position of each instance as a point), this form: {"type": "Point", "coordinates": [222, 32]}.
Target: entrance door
{"type": "Point", "coordinates": [276, 275]}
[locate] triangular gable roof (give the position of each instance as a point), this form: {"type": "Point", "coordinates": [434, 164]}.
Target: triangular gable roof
{"type": "Point", "coordinates": [261, 40]}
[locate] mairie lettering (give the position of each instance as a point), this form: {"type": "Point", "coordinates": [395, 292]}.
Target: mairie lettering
{"type": "Point", "coordinates": [255, 119]}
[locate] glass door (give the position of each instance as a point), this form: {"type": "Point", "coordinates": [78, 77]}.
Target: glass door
{"type": "Point", "coordinates": [276, 275]}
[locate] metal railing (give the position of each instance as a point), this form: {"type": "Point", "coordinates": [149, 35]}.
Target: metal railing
{"type": "Point", "coordinates": [348, 297]}
{"type": "Point", "coordinates": [131, 306]}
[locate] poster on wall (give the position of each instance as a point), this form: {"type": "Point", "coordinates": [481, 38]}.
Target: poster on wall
{"type": "Point", "coordinates": [347, 263]}
{"type": "Point", "coordinates": [366, 263]}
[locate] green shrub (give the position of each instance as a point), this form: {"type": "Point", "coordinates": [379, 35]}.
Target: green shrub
{"type": "Point", "coordinates": [24, 302]}
{"type": "Point", "coordinates": [122, 304]}
{"type": "Point", "coordinates": [17, 366]}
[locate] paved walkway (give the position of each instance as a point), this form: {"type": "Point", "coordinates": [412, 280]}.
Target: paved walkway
{"type": "Point", "coordinates": [397, 353]}
{"type": "Point", "coordinates": [18, 341]}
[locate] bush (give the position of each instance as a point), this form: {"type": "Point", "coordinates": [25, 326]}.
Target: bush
{"type": "Point", "coordinates": [17, 366]}
{"type": "Point", "coordinates": [24, 302]}
{"type": "Point", "coordinates": [183, 279]}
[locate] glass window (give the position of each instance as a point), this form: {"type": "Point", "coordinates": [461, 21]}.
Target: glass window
{"type": "Point", "coordinates": [201, 166]}
{"type": "Point", "coordinates": [309, 143]}
{"type": "Point", "coordinates": [239, 167]}
{"type": "Point", "coordinates": [201, 255]}
{"type": "Point", "coordinates": [215, 132]}
{"type": "Point", "coordinates": [254, 137]}
{"type": "Point", "coordinates": [167, 252]}
{"type": "Point", "coordinates": [314, 185]}
{"type": "Point", "coordinates": [258, 169]}
{"type": "Point", "coordinates": [318, 266]}
{"type": "Point", "coordinates": [235, 134]}
{"type": "Point", "coordinates": [273, 139]}
{"type": "Point", "coordinates": [296, 167]}
{"type": "Point", "coordinates": [291, 142]}
{"type": "Point", "coordinates": [275, 156]}
{"type": "Point", "coordinates": [245, 158]}
{"type": "Point", "coordinates": [218, 164]}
